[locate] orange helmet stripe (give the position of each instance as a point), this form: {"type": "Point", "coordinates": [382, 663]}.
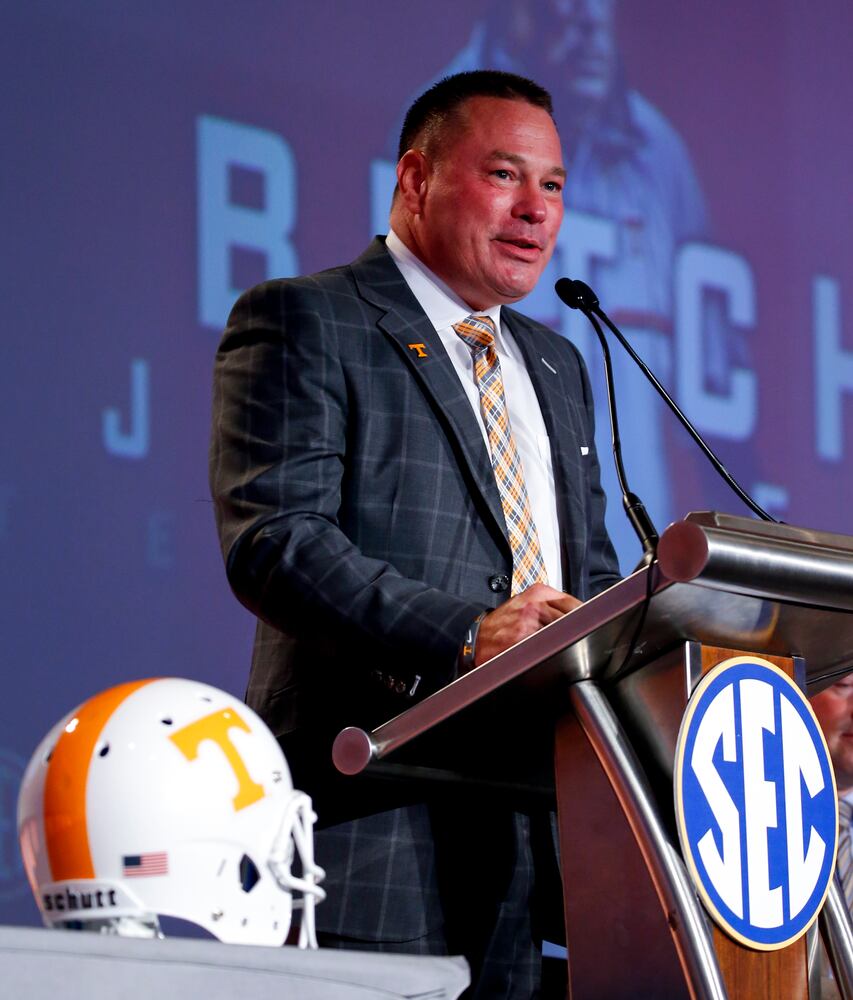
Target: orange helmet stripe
{"type": "Point", "coordinates": [66, 781]}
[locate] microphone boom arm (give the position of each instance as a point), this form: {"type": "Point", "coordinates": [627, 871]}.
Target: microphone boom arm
{"type": "Point", "coordinates": [578, 295]}
{"type": "Point", "coordinates": [634, 508]}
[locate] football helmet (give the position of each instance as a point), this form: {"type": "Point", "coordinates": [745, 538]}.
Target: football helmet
{"type": "Point", "coordinates": [168, 797]}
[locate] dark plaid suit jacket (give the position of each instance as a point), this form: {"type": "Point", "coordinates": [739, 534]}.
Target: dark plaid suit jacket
{"type": "Point", "coordinates": [356, 504]}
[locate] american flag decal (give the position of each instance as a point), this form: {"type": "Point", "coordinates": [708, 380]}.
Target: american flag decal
{"type": "Point", "coordinates": [155, 863]}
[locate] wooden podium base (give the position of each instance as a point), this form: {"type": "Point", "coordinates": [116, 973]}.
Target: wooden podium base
{"type": "Point", "coordinates": [619, 937]}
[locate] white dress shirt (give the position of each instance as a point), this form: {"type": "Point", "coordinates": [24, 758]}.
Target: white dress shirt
{"type": "Point", "coordinates": [444, 308]}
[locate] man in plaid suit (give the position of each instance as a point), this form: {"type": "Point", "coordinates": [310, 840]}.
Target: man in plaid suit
{"type": "Point", "coordinates": [361, 520]}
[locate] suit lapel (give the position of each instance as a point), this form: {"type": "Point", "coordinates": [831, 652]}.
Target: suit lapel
{"type": "Point", "coordinates": [379, 282]}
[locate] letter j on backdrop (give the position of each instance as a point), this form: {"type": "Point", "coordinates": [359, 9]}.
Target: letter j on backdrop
{"type": "Point", "coordinates": [756, 805]}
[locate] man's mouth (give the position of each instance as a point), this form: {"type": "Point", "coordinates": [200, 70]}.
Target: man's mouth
{"type": "Point", "coordinates": [520, 247]}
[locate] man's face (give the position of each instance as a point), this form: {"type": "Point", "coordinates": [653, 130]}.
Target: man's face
{"type": "Point", "coordinates": [834, 710]}
{"type": "Point", "coordinates": [568, 45]}
{"type": "Point", "coordinates": [492, 201]}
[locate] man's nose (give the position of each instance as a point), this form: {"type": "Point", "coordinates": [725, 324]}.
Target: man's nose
{"type": "Point", "coordinates": [531, 205]}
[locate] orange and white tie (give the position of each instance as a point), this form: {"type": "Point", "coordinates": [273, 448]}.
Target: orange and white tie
{"type": "Point", "coordinates": [478, 332]}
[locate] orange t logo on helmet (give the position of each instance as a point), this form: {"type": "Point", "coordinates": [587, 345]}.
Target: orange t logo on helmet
{"type": "Point", "coordinates": [216, 727]}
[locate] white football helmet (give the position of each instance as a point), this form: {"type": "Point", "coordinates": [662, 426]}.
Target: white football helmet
{"type": "Point", "coordinates": [168, 797]}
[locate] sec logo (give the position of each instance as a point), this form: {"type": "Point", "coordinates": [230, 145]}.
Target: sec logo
{"type": "Point", "coordinates": [755, 802]}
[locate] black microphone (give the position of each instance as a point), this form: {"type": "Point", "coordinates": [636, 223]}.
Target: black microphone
{"type": "Point", "coordinates": [578, 295]}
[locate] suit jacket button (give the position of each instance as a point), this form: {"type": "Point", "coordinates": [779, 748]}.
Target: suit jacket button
{"type": "Point", "coordinates": [499, 583]}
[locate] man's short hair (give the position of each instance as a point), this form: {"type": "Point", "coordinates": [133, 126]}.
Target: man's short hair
{"type": "Point", "coordinates": [428, 115]}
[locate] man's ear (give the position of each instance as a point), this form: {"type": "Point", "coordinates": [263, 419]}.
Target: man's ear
{"type": "Point", "coordinates": [413, 172]}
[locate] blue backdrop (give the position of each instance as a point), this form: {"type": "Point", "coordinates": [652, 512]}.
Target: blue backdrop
{"type": "Point", "coordinates": [156, 161]}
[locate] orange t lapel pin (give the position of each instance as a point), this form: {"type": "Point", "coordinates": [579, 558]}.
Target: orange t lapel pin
{"type": "Point", "coordinates": [420, 348]}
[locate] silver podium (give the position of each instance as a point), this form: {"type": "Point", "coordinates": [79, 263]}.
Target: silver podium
{"type": "Point", "coordinates": [586, 713]}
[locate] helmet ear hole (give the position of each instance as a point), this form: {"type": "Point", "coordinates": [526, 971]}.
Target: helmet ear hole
{"type": "Point", "coordinates": [249, 874]}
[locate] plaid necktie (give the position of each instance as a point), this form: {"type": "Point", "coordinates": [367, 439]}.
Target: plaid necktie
{"type": "Point", "coordinates": [478, 332]}
{"type": "Point", "coordinates": [844, 861]}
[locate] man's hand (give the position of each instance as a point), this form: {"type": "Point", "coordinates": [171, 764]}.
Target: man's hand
{"type": "Point", "coordinates": [520, 617]}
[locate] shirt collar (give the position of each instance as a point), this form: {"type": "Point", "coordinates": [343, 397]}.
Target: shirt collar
{"type": "Point", "coordinates": [441, 304]}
